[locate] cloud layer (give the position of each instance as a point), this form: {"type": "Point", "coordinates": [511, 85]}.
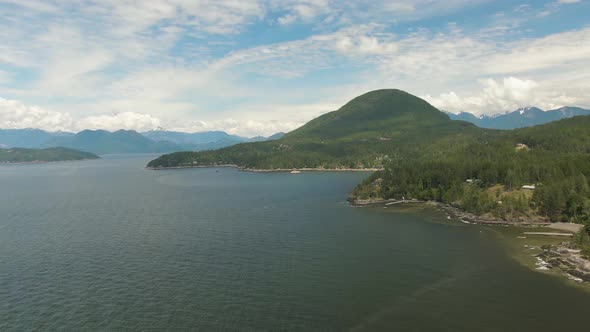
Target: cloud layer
{"type": "Point", "coordinates": [261, 66]}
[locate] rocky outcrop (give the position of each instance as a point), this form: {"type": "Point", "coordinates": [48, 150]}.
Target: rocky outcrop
{"type": "Point", "coordinates": [568, 258]}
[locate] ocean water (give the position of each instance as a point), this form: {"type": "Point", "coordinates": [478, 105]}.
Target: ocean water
{"type": "Point", "coordinates": [108, 245]}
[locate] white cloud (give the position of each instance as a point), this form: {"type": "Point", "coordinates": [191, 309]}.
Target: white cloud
{"type": "Point", "coordinates": [350, 44]}
{"type": "Point", "coordinates": [15, 115]}
{"type": "Point", "coordinates": [296, 58]}
{"type": "Point", "coordinates": [125, 120]}
{"type": "Point", "coordinates": [301, 10]}
{"type": "Point", "coordinates": [499, 96]}
{"type": "Point", "coordinates": [287, 19]}
{"type": "Point", "coordinates": [248, 128]}
{"type": "Point", "coordinates": [256, 119]}
{"type": "Point", "coordinates": [163, 60]}
{"type": "Point", "coordinates": [570, 48]}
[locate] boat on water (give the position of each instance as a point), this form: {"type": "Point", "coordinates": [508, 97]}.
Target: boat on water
{"type": "Point", "coordinates": [295, 172]}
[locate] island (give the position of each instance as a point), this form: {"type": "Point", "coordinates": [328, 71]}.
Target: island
{"type": "Point", "coordinates": [21, 155]}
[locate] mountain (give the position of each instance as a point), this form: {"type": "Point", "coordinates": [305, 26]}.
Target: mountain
{"type": "Point", "coordinates": [206, 140]}
{"type": "Point", "coordinates": [193, 138]}
{"type": "Point", "coordinates": [522, 117]}
{"type": "Point", "coordinates": [276, 136]}
{"type": "Point", "coordinates": [381, 113]}
{"type": "Point", "coordinates": [22, 155]}
{"type": "Point", "coordinates": [124, 141]}
{"type": "Point", "coordinates": [27, 138]}
{"type": "Point", "coordinates": [361, 134]}
{"type": "Point", "coordinates": [105, 142]}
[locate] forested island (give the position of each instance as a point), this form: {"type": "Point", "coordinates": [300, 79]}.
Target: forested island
{"type": "Point", "coordinates": [538, 173]}
{"type": "Point", "coordinates": [21, 155]}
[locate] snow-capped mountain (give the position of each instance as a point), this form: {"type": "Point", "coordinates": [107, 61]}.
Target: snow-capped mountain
{"type": "Point", "coordinates": [522, 117]}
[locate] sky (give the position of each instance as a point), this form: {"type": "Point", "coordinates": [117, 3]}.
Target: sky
{"type": "Point", "coordinates": [256, 67]}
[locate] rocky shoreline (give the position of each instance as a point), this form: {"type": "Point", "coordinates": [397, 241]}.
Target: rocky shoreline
{"type": "Point", "coordinates": [451, 211]}
{"type": "Point", "coordinates": [567, 258]}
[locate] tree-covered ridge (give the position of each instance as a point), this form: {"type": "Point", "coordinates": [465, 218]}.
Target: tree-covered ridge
{"type": "Point", "coordinates": [21, 155]}
{"type": "Point", "coordinates": [485, 173]}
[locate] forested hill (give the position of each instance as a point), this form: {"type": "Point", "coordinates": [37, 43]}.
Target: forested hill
{"type": "Point", "coordinates": [22, 155]}
{"type": "Point", "coordinates": [486, 173]}
{"type": "Point", "coordinates": [378, 114]}
{"type": "Point", "coordinates": [362, 134]}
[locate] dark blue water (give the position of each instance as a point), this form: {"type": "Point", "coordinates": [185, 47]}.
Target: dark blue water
{"type": "Point", "coordinates": [107, 245]}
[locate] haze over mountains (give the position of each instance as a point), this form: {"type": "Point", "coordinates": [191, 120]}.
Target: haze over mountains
{"type": "Point", "coordinates": [123, 141]}
{"type": "Point", "coordinates": [164, 141]}
{"type": "Point", "coordinates": [522, 117]}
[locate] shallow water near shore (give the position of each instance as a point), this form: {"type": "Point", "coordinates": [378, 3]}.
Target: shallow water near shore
{"type": "Point", "coordinates": [108, 245]}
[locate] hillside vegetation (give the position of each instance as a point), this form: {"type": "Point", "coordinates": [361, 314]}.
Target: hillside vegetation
{"type": "Point", "coordinates": [552, 157]}
{"type": "Point", "coordinates": [21, 155]}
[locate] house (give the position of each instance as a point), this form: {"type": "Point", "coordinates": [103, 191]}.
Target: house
{"type": "Point", "coordinates": [529, 186]}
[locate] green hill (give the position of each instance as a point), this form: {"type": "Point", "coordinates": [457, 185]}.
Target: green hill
{"type": "Point", "coordinates": [22, 155]}
{"type": "Point", "coordinates": [362, 134]}
{"type": "Point", "coordinates": [381, 113]}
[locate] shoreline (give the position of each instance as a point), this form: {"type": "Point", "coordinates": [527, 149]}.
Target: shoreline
{"type": "Point", "coordinates": [272, 170]}
{"type": "Point", "coordinates": [40, 162]}
{"type": "Point", "coordinates": [451, 211]}
{"type": "Point", "coordinates": [565, 258]}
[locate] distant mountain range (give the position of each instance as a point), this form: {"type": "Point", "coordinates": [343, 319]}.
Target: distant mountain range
{"type": "Point", "coordinates": [27, 138]}
{"type": "Point", "coordinates": [522, 117]}
{"type": "Point", "coordinates": [123, 141]}
{"type": "Point", "coordinates": [209, 139]}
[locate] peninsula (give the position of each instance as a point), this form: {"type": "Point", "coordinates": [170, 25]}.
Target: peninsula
{"type": "Point", "coordinates": [21, 155]}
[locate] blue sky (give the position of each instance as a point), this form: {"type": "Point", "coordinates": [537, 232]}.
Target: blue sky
{"type": "Point", "coordinates": [257, 67]}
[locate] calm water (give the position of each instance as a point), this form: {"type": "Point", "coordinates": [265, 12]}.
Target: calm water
{"type": "Point", "coordinates": [107, 245]}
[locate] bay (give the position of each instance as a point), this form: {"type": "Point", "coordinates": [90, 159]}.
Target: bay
{"type": "Point", "coordinates": [108, 245]}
